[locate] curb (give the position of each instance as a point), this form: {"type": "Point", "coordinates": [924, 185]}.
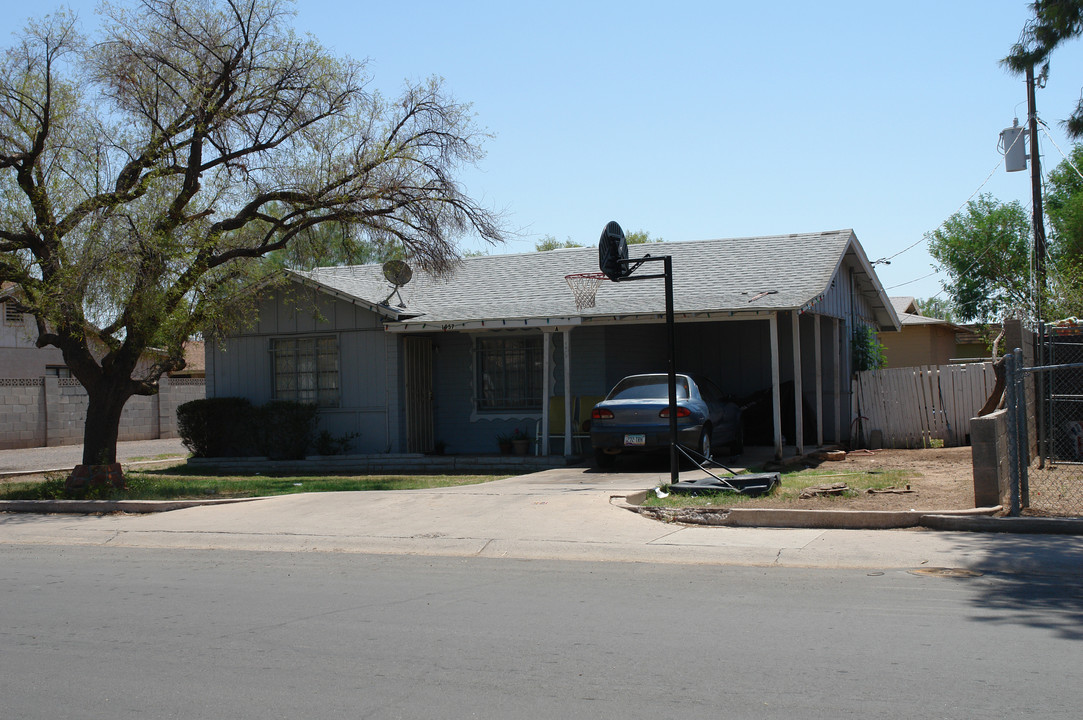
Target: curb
{"type": "Point", "coordinates": [98, 507]}
{"type": "Point", "coordinates": [975, 520]}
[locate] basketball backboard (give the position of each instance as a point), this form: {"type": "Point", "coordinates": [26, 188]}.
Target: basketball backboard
{"type": "Point", "coordinates": [612, 249]}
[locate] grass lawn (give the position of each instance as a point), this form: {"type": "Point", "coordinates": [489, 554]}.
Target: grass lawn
{"type": "Point", "coordinates": [791, 486]}
{"type": "Point", "coordinates": [183, 483]}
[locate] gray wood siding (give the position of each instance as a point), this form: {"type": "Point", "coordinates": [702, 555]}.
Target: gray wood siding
{"type": "Point", "coordinates": [240, 366]}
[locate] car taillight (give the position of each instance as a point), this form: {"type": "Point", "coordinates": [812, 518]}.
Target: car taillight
{"type": "Point", "coordinates": [601, 414]}
{"type": "Point", "coordinates": [681, 412]}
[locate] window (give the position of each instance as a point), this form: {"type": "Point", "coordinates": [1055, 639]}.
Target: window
{"type": "Point", "coordinates": [306, 370]}
{"type": "Point", "coordinates": [12, 316]}
{"type": "Point", "coordinates": [57, 371]}
{"type": "Point", "coordinates": [509, 373]}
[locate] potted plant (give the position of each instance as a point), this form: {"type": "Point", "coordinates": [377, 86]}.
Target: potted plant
{"type": "Point", "coordinates": [520, 442]}
{"type": "Point", "coordinates": [503, 441]}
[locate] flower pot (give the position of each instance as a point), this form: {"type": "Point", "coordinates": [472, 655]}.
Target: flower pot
{"type": "Point", "coordinates": [521, 446]}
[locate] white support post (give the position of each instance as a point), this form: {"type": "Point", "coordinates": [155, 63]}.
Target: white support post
{"type": "Point", "coordinates": [567, 392]}
{"type": "Point", "coordinates": [798, 390]}
{"type": "Point", "coordinates": [819, 382]}
{"type": "Point", "coordinates": [836, 383]}
{"type": "Point", "coordinates": [547, 372]}
{"type": "Point", "coordinates": [776, 385]}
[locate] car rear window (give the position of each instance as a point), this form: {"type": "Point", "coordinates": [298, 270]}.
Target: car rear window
{"type": "Point", "coordinates": [647, 388]}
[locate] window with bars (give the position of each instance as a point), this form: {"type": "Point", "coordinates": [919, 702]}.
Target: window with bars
{"type": "Point", "coordinates": [306, 370]}
{"type": "Point", "coordinates": [509, 373]}
{"type": "Point", "coordinates": [12, 316]}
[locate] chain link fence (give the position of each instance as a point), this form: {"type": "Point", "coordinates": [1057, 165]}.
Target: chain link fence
{"type": "Point", "coordinates": [1047, 475]}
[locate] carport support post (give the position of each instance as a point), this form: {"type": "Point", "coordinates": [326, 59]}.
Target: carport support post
{"type": "Point", "coordinates": [818, 349]}
{"type": "Point", "coordinates": [798, 390]}
{"type": "Point", "coordinates": [776, 401]}
{"type": "Point", "coordinates": [567, 392]}
{"type": "Point", "coordinates": [547, 349]}
{"type": "Point", "coordinates": [836, 375]}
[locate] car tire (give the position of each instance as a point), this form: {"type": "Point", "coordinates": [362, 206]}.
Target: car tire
{"type": "Point", "coordinates": [604, 460]}
{"type": "Point", "coordinates": [704, 448]}
{"type": "Point", "coordinates": [738, 445]}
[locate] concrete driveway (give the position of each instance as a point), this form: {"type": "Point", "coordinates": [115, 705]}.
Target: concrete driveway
{"type": "Point", "coordinates": [566, 513]}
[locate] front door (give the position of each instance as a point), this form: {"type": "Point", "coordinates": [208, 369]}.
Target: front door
{"type": "Point", "coordinates": [419, 431]}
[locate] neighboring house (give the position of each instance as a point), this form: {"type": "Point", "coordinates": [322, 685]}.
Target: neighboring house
{"type": "Point", "coordinates": [20, 357]}
{"type": "Point", "coordinates": [195, 358]}
{"type": "Point", "coordinates": [929, 341]}
{"type": "Point", "coordinates": [41, 404]}
{"type": "Point", "coordinates": [499, 345]}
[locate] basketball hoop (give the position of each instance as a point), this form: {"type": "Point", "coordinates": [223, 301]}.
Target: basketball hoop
{"type": "Point", "coordinates": [584, 286]}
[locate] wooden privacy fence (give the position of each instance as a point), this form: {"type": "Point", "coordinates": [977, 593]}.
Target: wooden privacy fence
{"type": "Point", "coordinates": [912, 406]}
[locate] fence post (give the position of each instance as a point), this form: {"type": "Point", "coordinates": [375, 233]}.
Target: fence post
{"type": "Point", "coordinates": [1024, 436]}
{"type": "Point", "coordinates": [1011, 391]}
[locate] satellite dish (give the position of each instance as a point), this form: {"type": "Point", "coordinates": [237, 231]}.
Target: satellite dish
{"type": "Point", "coordinates": [612, 249]}
{"type": "Point", "coordinates": [398, 273]}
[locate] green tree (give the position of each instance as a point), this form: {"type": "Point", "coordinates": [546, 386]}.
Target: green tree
{"type": "Point", "coordinates": [936, 307]}
{"type": "Point", "coordinates": [641, 237]}
{"type": "Point", "coordinates": [146, 174]}
{"type": "Point", "coordinates": [1054, 22]}
{"type": "Point", "coordinates": [1063, 202]}
{"type": "Point", "coordinates": [548, 242]}
{"type": "Point", "coordinates": [985, 250]}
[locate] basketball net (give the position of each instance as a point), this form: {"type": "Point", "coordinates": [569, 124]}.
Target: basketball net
{"type": "Point", "coordinates": [584, 287]}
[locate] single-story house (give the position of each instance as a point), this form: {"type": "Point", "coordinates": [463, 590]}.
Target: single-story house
{"type": "Point", "coordinates": [499, 345]}
{"type": "Point", "coordinates": [929, 341]}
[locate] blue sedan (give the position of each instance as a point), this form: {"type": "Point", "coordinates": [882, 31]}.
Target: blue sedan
{"type": "Point", "coordinates": [634, 417]}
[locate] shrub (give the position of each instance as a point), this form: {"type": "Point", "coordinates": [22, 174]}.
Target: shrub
{"type": "Point", "coordinates": [286, 429]}
{"type": "Point", "coordinates": [217, 427]}
{"type": "Point", "coordinates": [868, 353]}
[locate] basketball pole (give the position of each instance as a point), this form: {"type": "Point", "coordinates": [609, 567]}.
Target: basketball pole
{"type": "Point", "coordinates": [671, 333]}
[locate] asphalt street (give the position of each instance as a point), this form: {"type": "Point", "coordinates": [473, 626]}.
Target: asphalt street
{"type": "Point", "coordinates": [110, 632]}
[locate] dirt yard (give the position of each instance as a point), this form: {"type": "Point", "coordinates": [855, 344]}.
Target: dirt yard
{"type": "Point", "coordinates": [942, 479]}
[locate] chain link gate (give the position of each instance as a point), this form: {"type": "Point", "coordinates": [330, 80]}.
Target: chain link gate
{"type": "Point", "coordinates": [1047, 477]}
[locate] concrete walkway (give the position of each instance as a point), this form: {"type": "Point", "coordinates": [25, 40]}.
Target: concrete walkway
{"type": "Point", "coordinates": [26, 461]}
{"type": "Point", "coordinates": [567, 513]}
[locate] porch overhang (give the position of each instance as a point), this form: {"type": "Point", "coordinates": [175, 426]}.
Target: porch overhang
{"type": "Point", "coordinates": [421, 324]}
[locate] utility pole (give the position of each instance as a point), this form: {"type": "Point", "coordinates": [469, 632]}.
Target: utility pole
{"type": "Point", "coordinates": [1036, 197]}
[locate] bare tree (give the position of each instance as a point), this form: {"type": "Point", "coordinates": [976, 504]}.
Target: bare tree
{"type": "Point", "coordinates": [145, 175]}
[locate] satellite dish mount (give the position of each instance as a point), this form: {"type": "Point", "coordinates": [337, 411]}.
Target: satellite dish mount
{"type": "Point", "coordinates": [398, 273]}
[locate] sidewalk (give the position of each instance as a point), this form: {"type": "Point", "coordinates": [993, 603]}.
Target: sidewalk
{"type": "Point", "coordinates": [25, 461]}
{"type": "Point", "coordinates": [567, 514]}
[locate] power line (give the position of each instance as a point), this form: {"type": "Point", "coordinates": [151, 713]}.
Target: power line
{"type": "Point", "coordinates": [924, 238]}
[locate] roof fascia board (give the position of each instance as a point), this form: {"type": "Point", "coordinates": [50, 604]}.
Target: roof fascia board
{"type": "Point", "coordinates": [415, 326]}
{"type": "Point", "coordinates": [382, 310]}
{"type": "Point", "coordinates": [420, 325]}
{"type": "Point", "coordinates": [866, 268]}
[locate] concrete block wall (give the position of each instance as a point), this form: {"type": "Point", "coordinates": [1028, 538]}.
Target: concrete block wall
{"type": "Point", "coordinates": [172, 393]}
{"type": "Point", "coordinates": [49, 411]}
{"type": "Point", "coordinates": [22, 416]}
{"type": "Point", "coordinates": [989, 451]}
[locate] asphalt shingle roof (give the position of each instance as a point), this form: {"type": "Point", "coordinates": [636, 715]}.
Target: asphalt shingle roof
{"type": "Point", "coordinates": [736, 274]}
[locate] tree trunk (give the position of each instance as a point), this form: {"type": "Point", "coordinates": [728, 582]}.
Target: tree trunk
{"type": "Point", "coordinates": [105, 404]}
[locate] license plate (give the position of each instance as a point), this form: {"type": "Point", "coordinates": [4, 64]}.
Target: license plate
{"type": "Point", "coordinates": [635, 440]}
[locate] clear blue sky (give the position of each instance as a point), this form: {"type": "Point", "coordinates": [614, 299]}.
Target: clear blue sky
{"type": "Point", "coordinates": [697, 120]}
